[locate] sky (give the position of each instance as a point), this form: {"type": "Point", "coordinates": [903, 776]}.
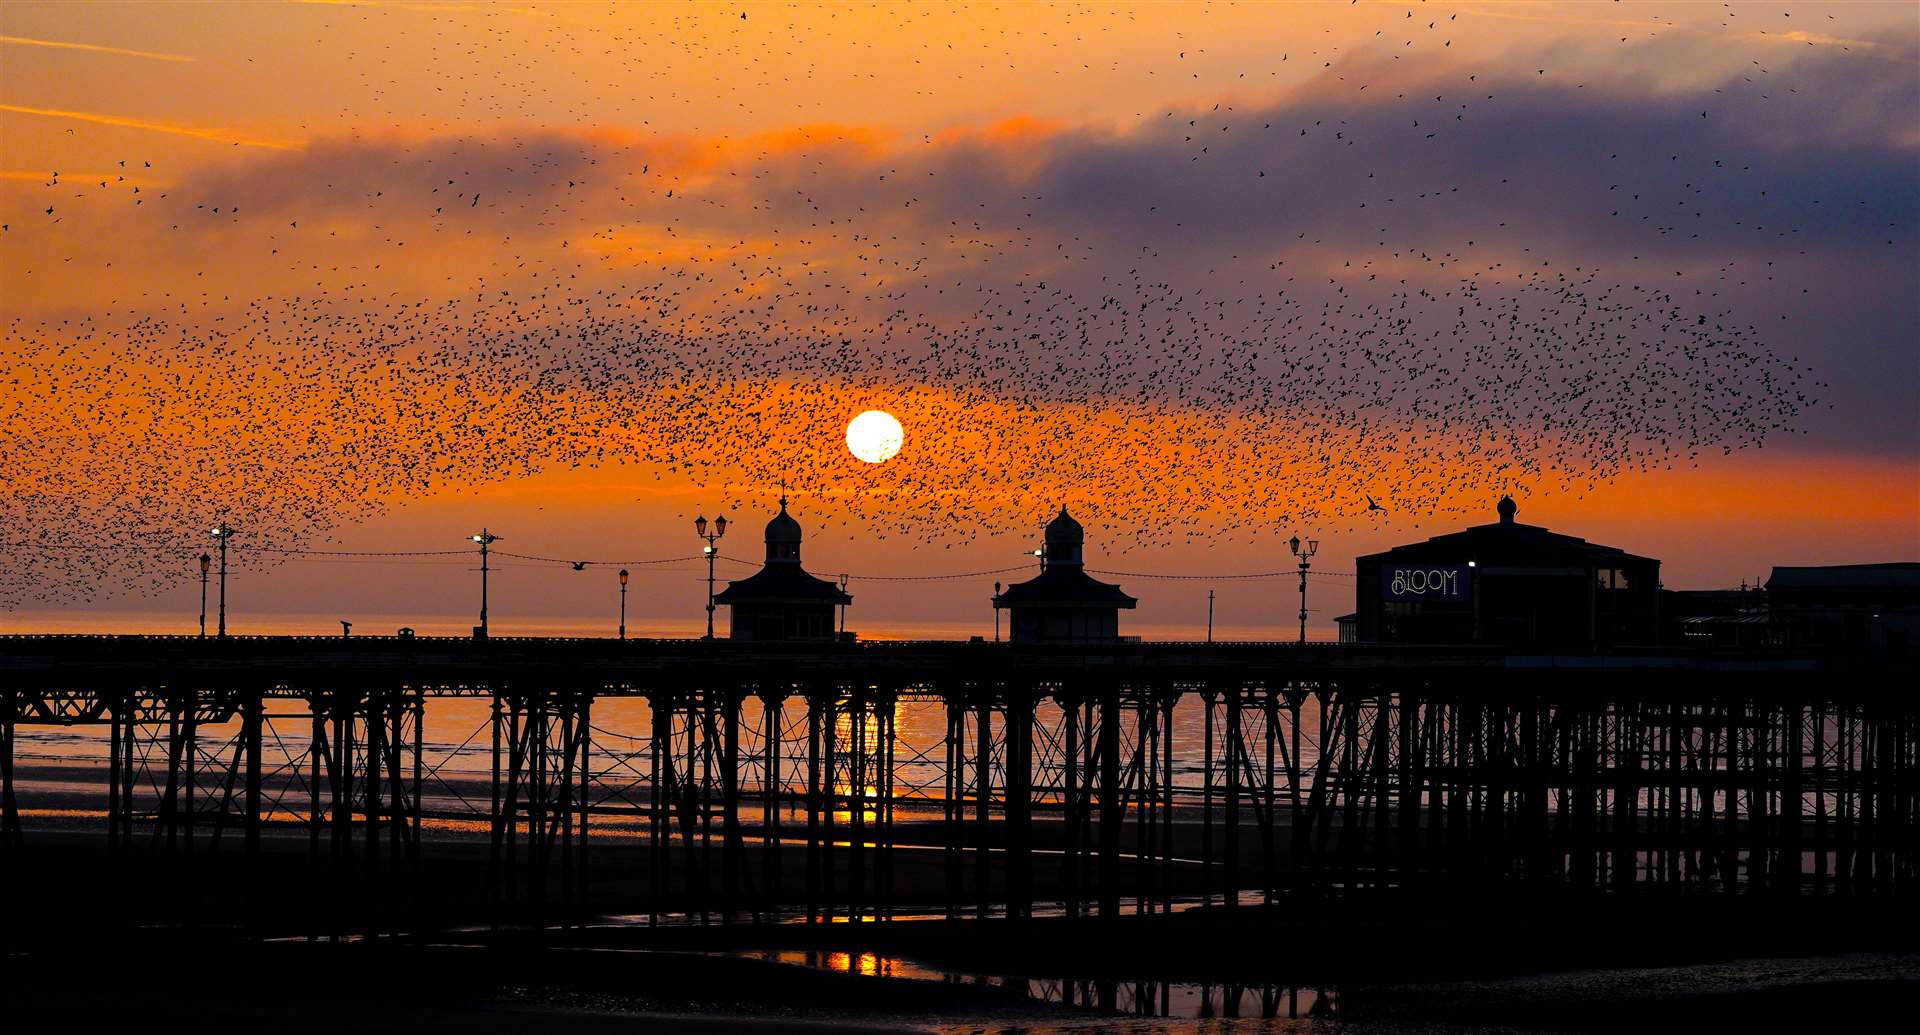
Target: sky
{"type": "Point", "coordinates": [365, 277]}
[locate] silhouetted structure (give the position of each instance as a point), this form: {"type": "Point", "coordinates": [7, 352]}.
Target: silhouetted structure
{"type": "Point", "coordinates": [1717, 618]}
{"type": "Point", "coordinates": [774, 773]}
{"type": "Point", "coordinates": [1874, 606]}
{"type": "Point", "coordinates": [781, 601]}
{"type": "Point", "coordinates": [1508, 583]}
{"type": "Point", "coordinates": [1063, 604]}
{"type": "Point", "coordinates": [1349, 627]}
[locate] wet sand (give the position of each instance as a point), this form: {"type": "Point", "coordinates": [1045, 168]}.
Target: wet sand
{"type": "Point", "coordinates": [441, 987]}
{"type": "Point", "coordinates": [438, 988]}
{"type": "Point", "coordinates": [1402, 961]}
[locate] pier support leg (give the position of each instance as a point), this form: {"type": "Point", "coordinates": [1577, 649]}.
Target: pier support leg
{"type": "Point", "coordinates": [1110, 811]}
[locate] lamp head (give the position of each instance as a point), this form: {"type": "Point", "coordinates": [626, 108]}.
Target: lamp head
{"type": "Point", "coordinates": [206, 561]}
{"type": "Point", "coordinates": [719, 526]}
{"type": "Point", "coordinates": [1294, 545]}
{"type": "Point", "coordinates": [623, 578]}
{"type": "Point", "coordinates": [1313, 547]}
{"type": "Point", "coordinates": [700, 525]}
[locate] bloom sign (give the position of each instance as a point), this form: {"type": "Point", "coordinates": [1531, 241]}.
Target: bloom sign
{"type": "Point", "coordinates": [1426, 582]}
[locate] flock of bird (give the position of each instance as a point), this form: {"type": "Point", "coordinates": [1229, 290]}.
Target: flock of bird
{"type": "Point", "coordinates": [425, 314]}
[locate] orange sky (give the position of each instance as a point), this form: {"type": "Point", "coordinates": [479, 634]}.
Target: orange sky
{"type": "Point", "coordinates": [322, 174]}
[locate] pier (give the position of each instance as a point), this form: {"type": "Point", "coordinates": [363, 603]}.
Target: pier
{"type": "Point", "coordinates": [822, 782]}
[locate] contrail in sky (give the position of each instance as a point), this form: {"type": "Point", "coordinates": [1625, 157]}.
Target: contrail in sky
{"type": "Point", "coordinates": [154, 127]}
{"type": "Point", "coordinates": [27, 41]}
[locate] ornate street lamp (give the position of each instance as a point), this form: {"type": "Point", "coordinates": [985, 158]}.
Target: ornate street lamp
{"type": "Point", "coordinates": [1305, 552]}
{"type": "Point", "coordinates": [485, 539]}
{"type": "Point", "coordinates": [205, 563]}
{"type": "Point", "coordinates": [712, 550]}
{"type": "Point", "coordinates": [223, 532]}
{"type": "Point", "coordinates": [843, 607]}
{"type": "Point", "coordinates": [623, 603]}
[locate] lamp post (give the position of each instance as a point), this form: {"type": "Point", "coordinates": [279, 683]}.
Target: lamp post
{"type": "Point", "coordinates": [843, 607]}
{"type": "Point", "coordinates": [1305, 552]}
{"type": "Point", "coordinates": [485, 539]}
{"type": "Point", "coordinates": [223, 532]}
{"type": "Point", "coordinates": [1209, 616]}
{"type": "Point", "coordinates": [623, 603]}
{"type": "Point", "coordinates": [205, 563]}
{"type": "Point", "coordinates": [712, 550]}
{"type": "Point", "coordinates": [996, 612]}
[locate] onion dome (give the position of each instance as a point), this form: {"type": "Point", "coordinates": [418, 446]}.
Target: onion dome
{"type": "Point", "coordinates": [1064, 539]}
{"type": "Point", "coordinates": [783, 537]}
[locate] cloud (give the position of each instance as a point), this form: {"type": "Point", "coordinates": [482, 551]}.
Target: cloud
{"type": "Point", "coordinates": [1351, 167]}
{"type": "Point", "coordinates": [1818, 39]}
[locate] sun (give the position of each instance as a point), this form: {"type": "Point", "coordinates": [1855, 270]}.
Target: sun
{"type": "Point", "coordinates": [875, 436]}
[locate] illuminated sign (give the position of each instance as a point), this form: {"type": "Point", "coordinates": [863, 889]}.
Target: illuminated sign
{"type": "Point", "coordinates": [1426, 582]}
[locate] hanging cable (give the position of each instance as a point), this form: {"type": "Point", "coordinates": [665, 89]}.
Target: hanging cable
{"type": "Point", "coordinates": [583, 562]}
{"type": "Point", "coordinates": [294, 552]}
{"type": "Point", "coordinates": [936, 578]}
{"type": "Point", "coordinates": [1286, 574]}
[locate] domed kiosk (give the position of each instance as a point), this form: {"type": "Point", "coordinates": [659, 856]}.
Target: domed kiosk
{"type": "Point", "coordinates": [1063, 604]}
{"type": "Point", "coordinates": [782, 601]}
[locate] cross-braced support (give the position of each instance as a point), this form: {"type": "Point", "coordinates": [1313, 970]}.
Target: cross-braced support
{"type": "Point", "coordinates": [542, 745]}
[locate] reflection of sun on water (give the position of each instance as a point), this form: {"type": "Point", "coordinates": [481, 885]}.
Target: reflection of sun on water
{"type": "Point", "coordinates": [866, 744]}
{"type": "Point", "coordinates": [867, 964]}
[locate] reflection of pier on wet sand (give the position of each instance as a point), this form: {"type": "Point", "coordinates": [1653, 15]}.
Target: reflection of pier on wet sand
{"type": "Point", "coordinates": [873, 781]}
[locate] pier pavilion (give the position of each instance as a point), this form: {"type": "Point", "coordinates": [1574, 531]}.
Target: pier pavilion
{"type": "Point", "coordinates": [1063, 604]}
{"type": "Point", "coordinates": [782, 601]}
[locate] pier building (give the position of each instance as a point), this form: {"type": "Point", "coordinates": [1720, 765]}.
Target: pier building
{"type": "Point", "coordinates": [782, 601]}
{"type": "Point", "coordinates": [1510, 584]}
{"type": "Point", "coordinates": [1063, 604]}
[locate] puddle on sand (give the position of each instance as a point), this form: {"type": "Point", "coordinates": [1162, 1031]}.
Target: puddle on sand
{"type": "Point", "coordinates": [1176, 1000]}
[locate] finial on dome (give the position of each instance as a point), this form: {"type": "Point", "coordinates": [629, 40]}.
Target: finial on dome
{"type": "Point", "coordinates": [1507, 509]}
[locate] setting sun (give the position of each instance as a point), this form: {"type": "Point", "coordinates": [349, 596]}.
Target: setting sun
{"type": "Point", "coordinates": [874, 436]}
